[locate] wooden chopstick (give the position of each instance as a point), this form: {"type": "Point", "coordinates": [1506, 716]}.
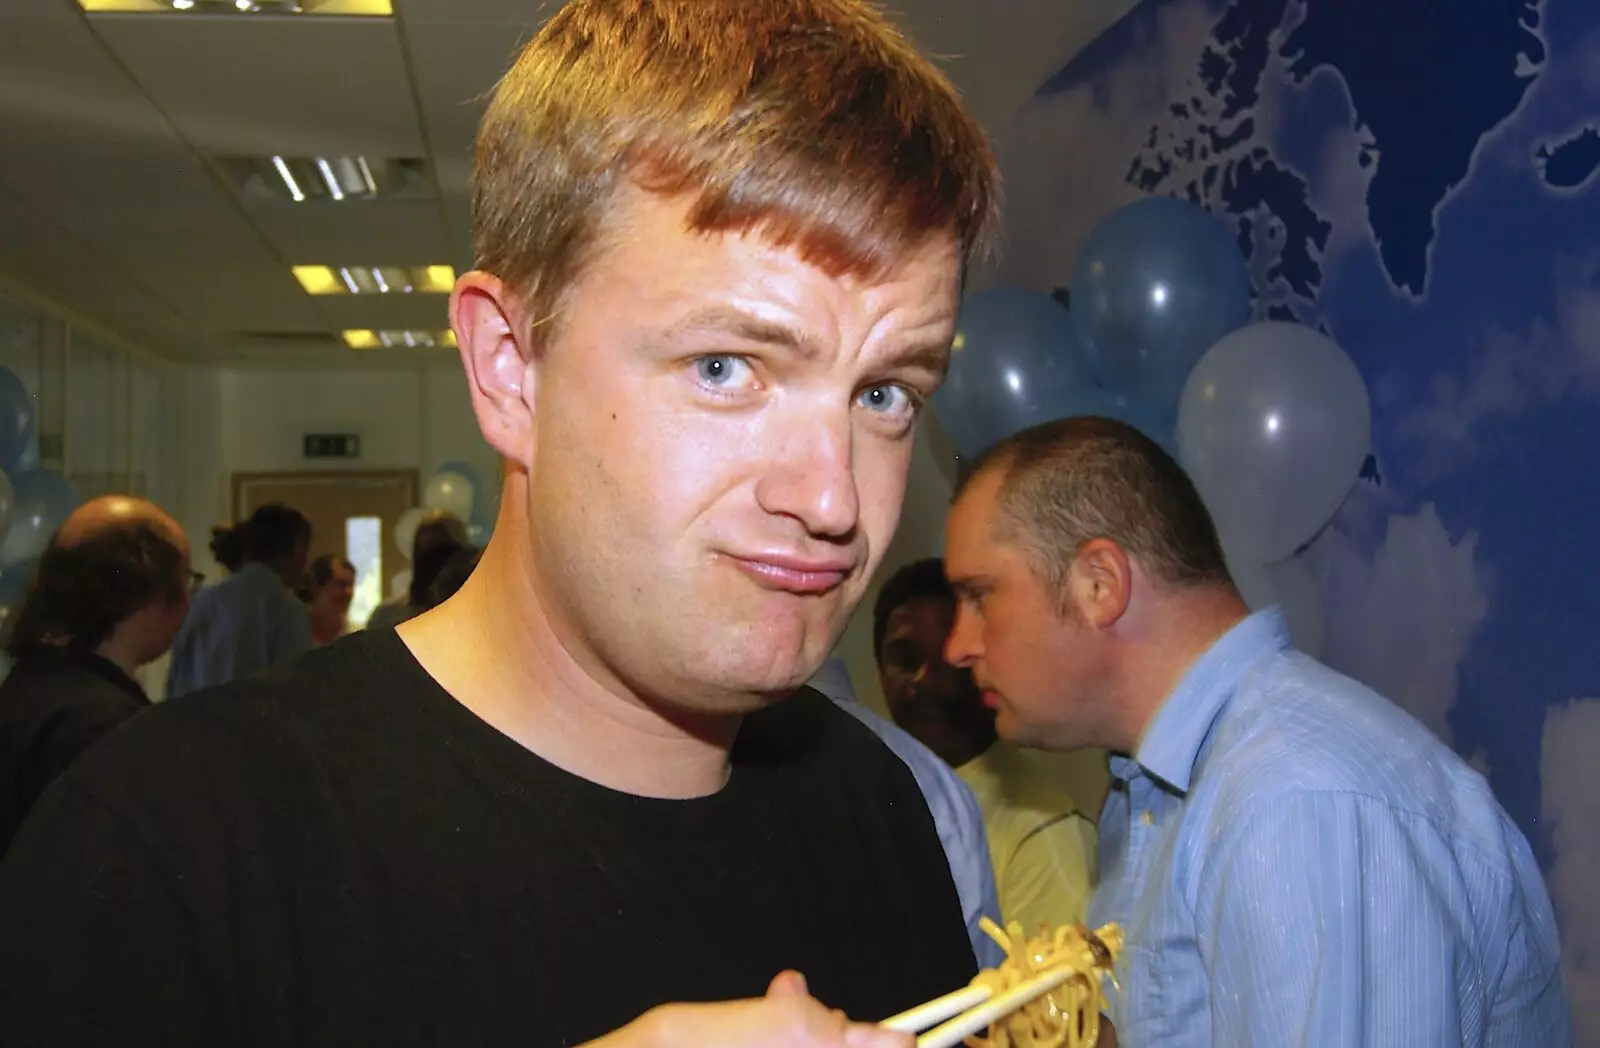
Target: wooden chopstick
{"type": "Point", "coordinates": [937, 1010]}
{"type": "Point", "coordinates": [975, 1019]}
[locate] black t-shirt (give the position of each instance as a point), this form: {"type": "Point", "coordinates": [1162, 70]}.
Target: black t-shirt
{"type": "Point", "coordinates": [341, 854]}
{"type": "Point", "coordinates": [54, 704]}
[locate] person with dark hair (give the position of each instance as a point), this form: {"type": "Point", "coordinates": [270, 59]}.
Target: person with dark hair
{"type": "Point", "coordinates": [451, 576]}
{"type": "Point", "coordinates": [438, 530]}
{"type": "Point", "coordinates": [330, 586]}
{"type": "Point", "coordinates": [1295, 861]}
{"type": "Point", "coordinates": [720, 247]}
{"type": "Point", "coordinates": [109, 594]}
{"type": "Point", "coordinates": [252, 620]}
{"type": "Point", "coordinates": [1041, 845]}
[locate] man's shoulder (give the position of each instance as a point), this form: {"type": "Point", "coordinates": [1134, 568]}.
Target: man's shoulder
{"type": "Point", "coordinates": [1298, 729]}
{"type": "Point", "coordinates": [305, 711]}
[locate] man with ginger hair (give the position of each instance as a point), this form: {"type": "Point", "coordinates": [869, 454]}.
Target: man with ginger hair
{"type": "Point", "coordinates": [720, 246]}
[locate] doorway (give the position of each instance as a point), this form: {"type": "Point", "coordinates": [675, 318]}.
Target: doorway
{"type": "Point", "coordinates": [353, 514]}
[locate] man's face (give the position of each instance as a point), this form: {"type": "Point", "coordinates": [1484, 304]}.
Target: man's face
{"type": "Point", "coordinates": [721, 433]}
{"type": "Point", "coordinates": [1034, 663]}
{"type": "Point", "coordinates": [334, 598]}
{"type": "Point", "coordinates": [925, 694]}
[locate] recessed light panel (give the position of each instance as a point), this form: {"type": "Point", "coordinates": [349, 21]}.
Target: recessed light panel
{"type": "Point", "coordinates": [348, 8]}
{"type": "Point", "coordinates": [327, 179]}
{"type": "Point", "coordinates": [376, 280]}
{"type": "Point", "coordinates": [365, 339]}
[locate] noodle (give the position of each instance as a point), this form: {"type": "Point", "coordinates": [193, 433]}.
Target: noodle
{"type": "Point", "coordinates": [1069, 1015]}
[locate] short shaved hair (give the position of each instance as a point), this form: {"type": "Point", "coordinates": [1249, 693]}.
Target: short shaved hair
{"type": "Point", "coordinates": [1069, 482]}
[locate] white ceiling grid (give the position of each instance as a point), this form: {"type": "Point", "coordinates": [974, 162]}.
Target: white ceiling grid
{"type": "Point", "coordinates": [112, 206]}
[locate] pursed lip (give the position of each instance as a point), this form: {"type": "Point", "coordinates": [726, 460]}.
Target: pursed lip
{"type": "Point", "coordinates": [792, 573]}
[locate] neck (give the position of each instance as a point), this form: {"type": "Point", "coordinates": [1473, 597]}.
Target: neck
{"type": "Point", "coordinates": [121, 649]}
{"type": "Point", "coordinates": [495, 648]}
{"type": "Point", "coordinates": [1160, 647]}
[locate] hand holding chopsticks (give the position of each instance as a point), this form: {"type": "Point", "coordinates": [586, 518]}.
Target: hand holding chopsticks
{"type": "Point", "coordinates": [1068, 964]}
{"type": "Point", "coordinates": [973, 1009]}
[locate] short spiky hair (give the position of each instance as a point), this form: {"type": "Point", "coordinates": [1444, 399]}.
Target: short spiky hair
{"type": "Point", "coordinates": [814, 121]}
{"type": "Point", "coordinates": [1071, 481]}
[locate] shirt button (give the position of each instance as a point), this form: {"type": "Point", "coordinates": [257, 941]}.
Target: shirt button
{"type": "Point", "coordinates": [1148, 818]}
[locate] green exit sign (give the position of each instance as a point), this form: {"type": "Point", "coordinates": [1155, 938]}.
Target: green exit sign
{"type": "Point", "coordinates": [331, 446]}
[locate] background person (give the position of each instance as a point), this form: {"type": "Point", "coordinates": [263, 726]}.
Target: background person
{"type": "Point", "coordinates": [252, 620]}
{"type": "Point", "coordinates": [1294, 859]}
{"type": "Point", "coordinates": [108, 596]}
{"type": "Point", "coordinates": [1043, 847]}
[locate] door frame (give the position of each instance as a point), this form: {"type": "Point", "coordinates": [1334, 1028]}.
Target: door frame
{"type": "Point", "coordinates": [411, 477]}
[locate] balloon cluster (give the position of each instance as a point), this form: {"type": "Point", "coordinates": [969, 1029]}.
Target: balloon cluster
{"type": "Point", "coordinates": [33, 501]}
{"type": "Point", "coordinates": [1271, 420]}
{"type": "Point", "coordinates": [453, 489]}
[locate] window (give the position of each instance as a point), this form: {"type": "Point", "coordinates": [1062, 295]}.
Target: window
{"type": "Point", "coordinates": [363, 543]}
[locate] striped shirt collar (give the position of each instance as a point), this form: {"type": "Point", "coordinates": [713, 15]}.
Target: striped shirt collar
{"type": "Point", "coordinates": [1172, 743]}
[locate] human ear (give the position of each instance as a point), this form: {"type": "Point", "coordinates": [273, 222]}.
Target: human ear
{"type": "Point", "coordinates": [498, 363]}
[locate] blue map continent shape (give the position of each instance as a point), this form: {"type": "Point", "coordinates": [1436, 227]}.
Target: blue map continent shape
{"type": "Point", "coordinates": [1570, 163]}
{"type": "Point", "coordinates": [1251, 188]}
{"type": "Point", "coordinates": [1429, 81]}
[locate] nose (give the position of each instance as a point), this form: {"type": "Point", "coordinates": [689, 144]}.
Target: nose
{"type": "Point", "coordinates": [965, 643]}
{"type": "Point", "coordinates": [811, 477]}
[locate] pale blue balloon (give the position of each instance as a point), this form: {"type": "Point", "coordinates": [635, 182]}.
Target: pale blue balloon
{"type": "Point", "coordinates": [17, 421]}
{"type": "Point", "coordinates": [1274, 428]}
{"type": "Point", "coordinates": [1015, 362]}
{"type": "Point", "coordinates": [1156, 285]}
{"type": "Point", "coordinates": [42, 500]}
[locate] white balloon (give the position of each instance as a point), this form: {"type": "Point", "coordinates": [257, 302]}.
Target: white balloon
{"type": "Point", "coordinates": [1273, 427]}
{"type": "Point", "coordinates": [405, 530]}
{"type": "Point", "coordinates": [1300, 597]}
{"type": "Point", "coordinates": [450, 492]}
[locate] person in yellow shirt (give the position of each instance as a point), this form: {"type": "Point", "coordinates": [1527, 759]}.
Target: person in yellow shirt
{"type": "Point", "coordinates": [1042, 846]}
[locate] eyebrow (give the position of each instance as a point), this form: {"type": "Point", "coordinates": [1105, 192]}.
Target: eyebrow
{"type": "Point", "coordinates": [724, 320]}
{"type": "Point", "coordinates": [933, 357]}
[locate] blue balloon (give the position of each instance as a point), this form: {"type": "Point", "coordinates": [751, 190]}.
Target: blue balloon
{"type": "Point", "coordinates": [1155, 286]}
{"type": "Point", "coordinates": [43, 500]}
{"type": "Point", "coordinates": [1107, 403]}
{"type": "Point", "coordinates": [1015, 361]}
{"type": "Point", "coordinates": [17, 420]}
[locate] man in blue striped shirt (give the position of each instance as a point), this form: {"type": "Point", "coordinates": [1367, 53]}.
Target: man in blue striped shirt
{"type": "Point", "coordinates": [1293, 859]}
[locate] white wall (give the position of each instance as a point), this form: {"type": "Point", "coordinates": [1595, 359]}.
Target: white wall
{"type": "Point", "coordinates": [252, 420]}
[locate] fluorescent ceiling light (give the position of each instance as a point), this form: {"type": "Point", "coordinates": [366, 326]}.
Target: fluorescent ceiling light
{"type": "Point", "coordinates": [328, 179]}
{"type": "Point", "coordinates": [376, 280]}
{"type": "Point", "coordinates": [347, 8]}
{"type": "Point", "coordinates": [368, 339]}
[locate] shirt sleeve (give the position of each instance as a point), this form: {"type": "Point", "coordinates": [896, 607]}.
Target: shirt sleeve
{"type": "Point", "coordinates": [974, 876]}
{"type": "Point", "coordinates": [1047, 880]}
{"type": "Point", "coordinates": [93, 945]}
{"type": "Point", "coordinates": [1330, 920]}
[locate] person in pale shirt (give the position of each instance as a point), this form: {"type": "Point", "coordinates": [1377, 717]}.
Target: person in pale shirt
{"type": "Point", "coordinates": [1042, 845]}
{"type": "Point", "coordinates": [1294, 860]}
{"type": "Point", "coordinates": [956, 814]}
{"type": "Point", "coordinates": [252, 620]}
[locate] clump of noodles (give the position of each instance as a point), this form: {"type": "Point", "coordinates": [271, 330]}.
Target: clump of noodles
{"type": "Point", "coordinates": [1069, 1015]}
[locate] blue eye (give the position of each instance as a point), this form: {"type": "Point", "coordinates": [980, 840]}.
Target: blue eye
{"type": "Point", "coordinates": [720, 370]}
{"type": "Point", "coordinates": [885, 400]}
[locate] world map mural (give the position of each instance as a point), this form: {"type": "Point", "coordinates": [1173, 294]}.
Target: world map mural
{"type": "Point", "coordinates": [1422, 183]}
